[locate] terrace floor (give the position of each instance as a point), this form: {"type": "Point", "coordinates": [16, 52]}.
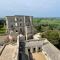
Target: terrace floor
{"type": "Point", "coordinates": [38, 56]}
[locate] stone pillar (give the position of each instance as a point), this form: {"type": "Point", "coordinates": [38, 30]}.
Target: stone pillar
{"type": "Point", "coordinates": [31, 20]}
{"type": "Point", "coordinates": [6, 24]}
{"type": "Point", "coordinates": [26, 32]}
{"type": "Point", "coordinates": [31, 50]}
{"type": "Point", "coordinates": [36, 49]}
{"type": "Point", "coordinates": [31, 23]}
{"type": "Point", "coordinates": [17, 46]}
{"type": "Point", "coordinates": [26, 50]}
{"type": "Point", "coordinates": [18, 41]}
{"type": "Point", "coordinates": [24, 20]}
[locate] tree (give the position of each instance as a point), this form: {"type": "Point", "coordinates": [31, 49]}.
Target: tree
{"type": "Point", "coordinates": [38, 28]}
{"type": "Point", "coordinates": [52, 36]}
{"type": "Point", "coordinates": [2, 22]}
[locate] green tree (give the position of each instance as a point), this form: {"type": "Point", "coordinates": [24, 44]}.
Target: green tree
{"type": "Point", "coordinates": [38, 28]}
{"type": "Point", "coordinates": [52, 36]}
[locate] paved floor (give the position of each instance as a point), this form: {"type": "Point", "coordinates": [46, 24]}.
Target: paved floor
{"type": "Point", "coordinates": [8, 53]}
{"type": "Point", "coordinates": [38, 56]}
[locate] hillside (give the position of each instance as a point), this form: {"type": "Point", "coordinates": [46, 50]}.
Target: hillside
{"type": "Point", "coordinates": [47, 21]}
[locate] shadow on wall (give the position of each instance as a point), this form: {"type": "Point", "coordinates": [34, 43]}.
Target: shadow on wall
{"type": "Point", "coordinates": [22, 56]}
{"type": "Point", "coordinates": [30, 56]}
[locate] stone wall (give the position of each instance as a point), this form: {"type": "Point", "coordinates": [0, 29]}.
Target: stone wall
{"type": "Point", "coordinates": [18, 23]}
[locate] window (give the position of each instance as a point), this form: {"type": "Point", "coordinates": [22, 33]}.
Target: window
{"type": "Point", "coordinates": [27, 24]}
{"type": "Point", "coordinates": [27, 19]}
{"type": "Point", "coordinates": [16, 31]}
{"type": "Point", "coordinates": [11, 26]}
{"type": "Point", "coordinates": [39, 49]}
{"type": "Point", "coordinates": [28, 50]}
{"type": "Point", "coordinates": [20, 19]}
{"type": "Point", "coordinates": [34, 50]}
{"type": "Point", "coordinates": [20, 24]}
{"type": "Point", "coordinates": [21, 31]}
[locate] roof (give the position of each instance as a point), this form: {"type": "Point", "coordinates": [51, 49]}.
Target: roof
{"type": "Point", "coordinates": [18, 16]}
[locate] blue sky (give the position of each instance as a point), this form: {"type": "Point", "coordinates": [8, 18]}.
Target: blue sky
{"type": "Point", "coordinates": [36, 8]}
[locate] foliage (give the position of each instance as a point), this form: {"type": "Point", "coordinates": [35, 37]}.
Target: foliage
{"type": "Point", "coordinates": [44, 24]}
{"type": "Point", "coordinates": [52, 36]}
{"type": "Point", "coordinates": [38, 28]}
{"type": "Point", "coordinates": [2, 28]}
{"type": "Point", "coordinates": [50, 27]}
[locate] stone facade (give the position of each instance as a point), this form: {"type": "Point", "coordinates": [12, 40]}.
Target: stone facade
{"type": "Point", "coordinates": [33, 45]}
{"type": "Point", "coordinates": [25, 47]}
{"type": "Point", "coordinates": [17, 24]}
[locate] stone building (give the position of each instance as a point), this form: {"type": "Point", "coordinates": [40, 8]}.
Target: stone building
{"type": "Point", "coordinates": [17, 24]}
{"type": "Point", "coordinates": [27, 47]}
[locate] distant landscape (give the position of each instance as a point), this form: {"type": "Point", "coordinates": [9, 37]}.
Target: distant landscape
{"type": "Point", "coordinates": [49, 27]}
{"type": "Point", "coordinates": [53, 21]}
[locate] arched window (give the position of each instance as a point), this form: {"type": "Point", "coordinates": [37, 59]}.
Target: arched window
{"type": "Point", "coordinates": [21, 30]}
{"type": "Point", "coordinates": [28, 50]}
{"type": "Point", "coordinates": [20, 24]}
{"type": "Point", "coordinates": [11, 26]}
{"type": "Point", "coordinates": [39, 49]}
{"type": "Point", "coordinates": [20, 20]}
{"type": "Point", "coordinates": [34, 50]}
{"type": "Point", "coordinates": [16, 30]}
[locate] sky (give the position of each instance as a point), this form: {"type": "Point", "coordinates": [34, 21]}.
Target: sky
{"type": "Point", "coordinates": [36, 8]}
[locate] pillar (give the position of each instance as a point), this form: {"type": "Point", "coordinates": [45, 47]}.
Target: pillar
{"type": "Point", "coordinates": [36, 49]}
{"type": "Point", "coordinates": [31, 50]}
{"type": "Point", "coordinates": [17, 47]}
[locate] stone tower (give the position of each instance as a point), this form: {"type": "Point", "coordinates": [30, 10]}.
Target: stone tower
{"type": "Point", "coordinates": [17, 23]}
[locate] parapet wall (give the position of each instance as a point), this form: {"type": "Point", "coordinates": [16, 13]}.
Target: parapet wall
{"type": "Point", "coordinates": [51, 51]}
